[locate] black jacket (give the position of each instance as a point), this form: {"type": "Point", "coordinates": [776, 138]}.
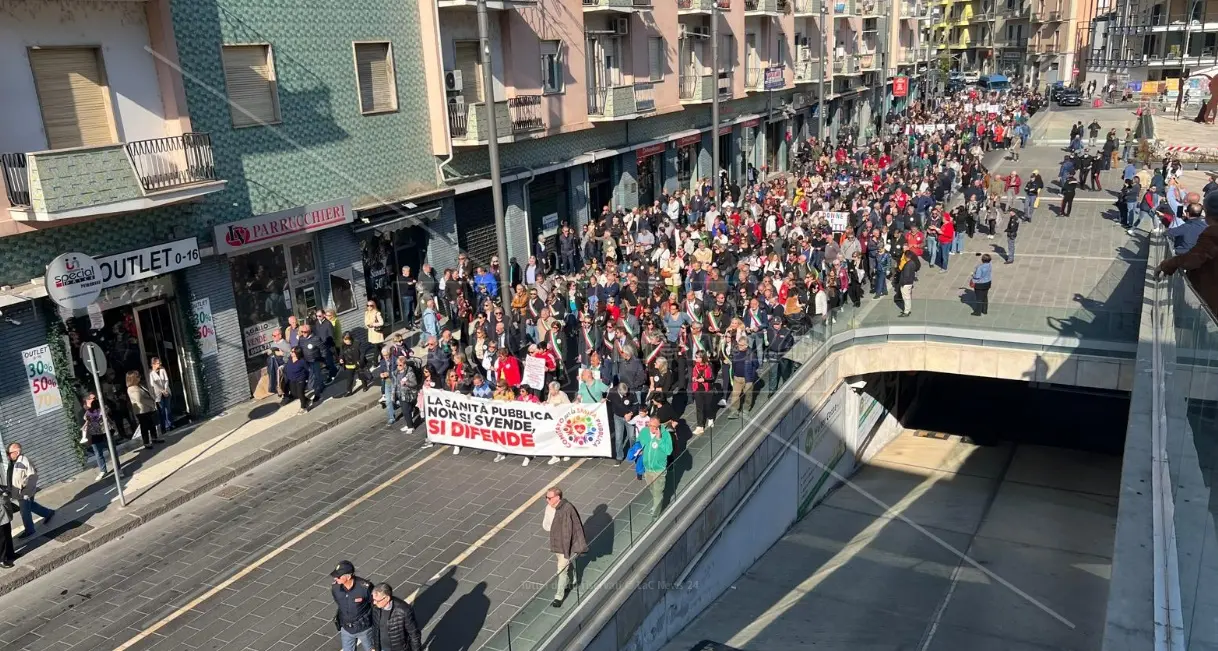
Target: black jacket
{"type": "Point", "coordinates": [354, 612]}
{"type": "Point", "coordinates": [397, 628]}
{"type": "Point", "coordinates": [908, 273]}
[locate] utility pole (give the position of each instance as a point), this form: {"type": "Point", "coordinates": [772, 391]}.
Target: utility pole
{"type": "Point", "coordinates": [715, 103]}
{"type": "Point", "coordinates": [822, 101]}
{"type": "Point", "coordinates": [1188, 33]}
{"type": "Point", "coordinates": [492, 136]}
{"type": "Point", "coordinates": [884, 72]}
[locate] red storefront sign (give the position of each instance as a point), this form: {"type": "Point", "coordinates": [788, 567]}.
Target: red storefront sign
{"type": "Point", "coordinates": [723, 131]}
{"type": "Point", "coordinates": [752, 123]}
{"type": "Point", "coordinates": [689, 140]}
{"type": "Point", "coordinates": [900, 86]}
{"type": "Point", "coordinates": [643, 153]}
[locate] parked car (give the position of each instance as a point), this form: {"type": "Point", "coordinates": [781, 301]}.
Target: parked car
{"type": "Point", "coordinates": [1070, 97]}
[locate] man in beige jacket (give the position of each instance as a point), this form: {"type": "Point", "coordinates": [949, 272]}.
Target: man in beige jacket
{"type": "Point", "coordinates": [22, 478]}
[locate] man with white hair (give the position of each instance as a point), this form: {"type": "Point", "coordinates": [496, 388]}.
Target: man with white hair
{"type": "Point", "coordinates": [22, 480]}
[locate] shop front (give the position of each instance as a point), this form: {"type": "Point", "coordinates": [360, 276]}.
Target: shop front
{"type": "Point", "coordinates": [275, 263]}
{"type": "Point", "coordinates": [389, 242]}
{"type": "Point", "coordinates": [727, 154]}
{"type": "Point", "coordinates": [600, 185]}
{"type": "Point", "coordinates": [650, 161]}
{"type": "Point", "coordinates": [775, 145]}
{"type": "Point", "coordinates": [687, 160]}
{"type": "Point", "coordinates": [136, 319]}
{"type": "Point", "coordinates": [548, 195]}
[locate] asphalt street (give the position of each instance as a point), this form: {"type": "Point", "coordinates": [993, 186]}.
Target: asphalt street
{"type": "Point", "coordinates": [246, 566]}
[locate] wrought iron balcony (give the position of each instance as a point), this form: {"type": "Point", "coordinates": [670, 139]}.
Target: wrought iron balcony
{"type": "Point", "coordinates": [517, 116]}
{"type": "Point", "coordinates": [108, 179]}
{"type": "Point", "coordinates": [696, 88]}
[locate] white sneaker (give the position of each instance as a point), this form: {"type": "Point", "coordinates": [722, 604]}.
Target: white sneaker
{"type": "Point", "coordinates": [525, 462]}
{"type": "Point", "coordinates": [500, 457]}
{"type": "Point", "coordinates": [723, 402]}
{"type": "Point", "coordinates": [566, 458]}
{"type": "Point", "coordinates": [427, 445]}
{"type": "Point", "coordinates": [456, 449]}
{"type": "Point", "coordinates": [552, 461]}
{"type": "Point", "coordinates": [1130, 231]}
{"type": "Point", "coordinates": [100, 476]}
{"type": "Point", "coordinates": [406, 428]}
{"type": "Point", "coordinates": [698, 431]}
{"type": "Point", "coordinates": [991, 237]}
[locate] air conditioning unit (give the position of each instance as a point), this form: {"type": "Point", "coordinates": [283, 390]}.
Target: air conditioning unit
{"type": "Point", "coordinates": [683, 31]}
{"type": "Point", "coordinates": [701, 31]}
{"type": "Point", "coordinates": [621, 26]}
{"type": "Point", "coordinates": [452, 81]}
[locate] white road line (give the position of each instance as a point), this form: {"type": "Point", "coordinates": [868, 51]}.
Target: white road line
{"type": "Point", "coordinates": [194, 603]}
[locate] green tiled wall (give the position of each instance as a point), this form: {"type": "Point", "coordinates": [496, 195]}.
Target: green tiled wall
{"type": "Point", "coordinates": [80, 178]}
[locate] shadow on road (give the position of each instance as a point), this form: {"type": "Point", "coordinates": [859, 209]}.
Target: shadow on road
{"type": "Point", "coordinates": [460, 626]}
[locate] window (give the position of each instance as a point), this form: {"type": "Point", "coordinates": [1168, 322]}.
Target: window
{"type": "Point", "coordinates": [73, 96]}
{"type": "Point", "coordinates": [374, 72]}
{"type": "Point", "coordinates": [551, 67]}
{"type": "Point", "coordinates": [249, 74]}
{"type": "Point", "coordinates": [655, 57]}
{"type": "Point", "coordinates": [468, 60]}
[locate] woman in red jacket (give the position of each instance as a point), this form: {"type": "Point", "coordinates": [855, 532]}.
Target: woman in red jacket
{"type": "Point", "coordinates": [946, 233]}
{"type": "Point", "coordinates": [700, 385]}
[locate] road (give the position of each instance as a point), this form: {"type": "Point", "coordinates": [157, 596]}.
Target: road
{"type": "Point", "coordinates": [246, 566]}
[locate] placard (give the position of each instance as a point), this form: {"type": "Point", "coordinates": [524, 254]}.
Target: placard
{"type": "Point", "coordinates": [534, 373]}
{"type": "Point", "coordinates": [40, 375]}
{"type": "Point", "coordinates": [571, 430]}
{"type": "Point", "coordinates": [258, 337]}
{"type": "Point", "coordinates": [205, 327]}
{"type": "Point", "coordinates": [97, 320]}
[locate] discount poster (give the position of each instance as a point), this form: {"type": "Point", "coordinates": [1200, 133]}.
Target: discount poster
{"type": "Point", "coordinates": [40, 374]}
{"type": "Point", "coordinates": [205, 327]}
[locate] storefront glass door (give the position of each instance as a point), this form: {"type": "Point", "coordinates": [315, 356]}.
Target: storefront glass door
{"type": "Point", "coordinates": [157, 330]}
{"type": "Point", "coordinates": [302, 268]}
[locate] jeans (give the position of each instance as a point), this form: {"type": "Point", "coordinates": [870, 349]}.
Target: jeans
{"type": "Point", "coordinates": [348, 639]}
{"type": "Point", "coordinates": [315, 382]}
{"type": "Point", "coordinates": [932, 250]}
{"type": "Point", "coordinates": [566, 574]}
{"type": "Point", "coordinates": [387, 391]}
{"type": "Point", "coordinates": [958, 243]}
{"type": "Point", "coordinates": [327, 356]}
{"type": "Point", "coordinates": [621, 438]}
{"type": "Point", "coordinates": [1131, 209]}
{"type": "Point", "coordinates": [881, 284]}
{"type": "Point", "coordinates": [162, 408]}
{"type": "Point", "coordinates": [1143, 214]}
{"type": "Point", "coordinates": [99, 451]}
{"type": "Point", "coordinates": [408, 310]}
{"type": "Point", "coordinates": [1010, 249]}
{"type": "Point", "coordinates": [943, 256]}
{"type": "Point", "coordinates": [30, 508]}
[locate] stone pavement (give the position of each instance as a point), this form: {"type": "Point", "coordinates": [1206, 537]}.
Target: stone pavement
{"type": "Point", "coordinates": [1078, 276]}
{"type": "Point", "coordinates": [1056, 127]}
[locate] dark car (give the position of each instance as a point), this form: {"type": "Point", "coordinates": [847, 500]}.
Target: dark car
{"type": "Point", "coordinates": [1069, 97]}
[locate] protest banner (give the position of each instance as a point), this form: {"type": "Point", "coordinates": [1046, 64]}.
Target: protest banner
{"type": "Point", "coordinates": [571, 430]}
{"type": "Point", "coordinates": [838, 221]}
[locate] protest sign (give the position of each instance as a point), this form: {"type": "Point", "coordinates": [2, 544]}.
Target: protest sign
{"type": "Point", "coordinates": [571, 430]}
{"type": "Point", "coordinates": [535, 372]}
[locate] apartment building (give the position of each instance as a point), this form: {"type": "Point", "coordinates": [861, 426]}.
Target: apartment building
{"type": "Point", "coordinates": [226, 167]}
{"type": "Point", "coordinates": [964, 32]}
{"type": "Point", "coordinates": [1141, 40]}
{"type": "Point", "coordinates": [1052, 41]}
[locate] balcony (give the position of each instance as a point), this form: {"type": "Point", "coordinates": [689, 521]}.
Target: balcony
{"type": "Point", "coordinates": [694, 7]}
{"type": "Point", "coordinates": [725, 85]}
{"type": "Point", "coordinates": [611, 103]}
{"type": "Point", "coordinates": [869, 61]}
{"type": "Point", "coordinates": [108, 179]}
{"type": "Point", "coordinates": [808, 8]}
{"type": "Point", "coordinates": [765, 7]}
{"type": "Point", "coordinates": [844, 8]}
{"type": "Point", "coordinates": [491, 5]}
{"type": "Point", "coordinates": [845, 65]}
{"type": "Point", "coordinates": [753, 78]}
{"type": "Point", "coordinates": [696, 89]}
{"type": "Point", "coordinates": [870, 7]}
{"type": "Point", "coordinates": [807, 71]}
{"type": "Point", "coordinates": [621, 6]}
{"type": "Point", "coordinates": [982, 16]}
{"type": "Point", "coordinates": [514, 119]}
{"type": "Point", "coordinates": [914, 10]}
{"type": "Point", "coordinates": [645, 97]}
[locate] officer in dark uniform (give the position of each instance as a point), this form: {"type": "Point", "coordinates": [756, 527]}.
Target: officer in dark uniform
{"type": "Point", "coordinates": [353, 596]}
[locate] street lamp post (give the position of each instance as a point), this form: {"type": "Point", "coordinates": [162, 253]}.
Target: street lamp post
{"type": "Point", "coordinates": [715, 101]}
{"type": "Point", "coordinates": [492, 136]}
{"type": "Point", "coordinates": [822, 107]}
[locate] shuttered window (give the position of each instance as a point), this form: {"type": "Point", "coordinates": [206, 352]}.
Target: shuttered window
{"type": "Point", "coordinates": [469, 62]}
{"type": "Point", "coordinates": [551, 67]}
{"type": "Point", "coordinates": [73, 96]}
{"type": "Point", "coordinates": [655, 57]}
{"type": "Point", "coordinates": [374, 69]}
{"type": "Point", "coordinates": [249, 73]}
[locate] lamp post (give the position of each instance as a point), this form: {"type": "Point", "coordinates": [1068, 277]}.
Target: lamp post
{"type": "Point", "coordinates": [822, 107]}
{"type": "Point", "coordinates": [715, 101]}
{"type": "Point", "coordinates": [492, 136]}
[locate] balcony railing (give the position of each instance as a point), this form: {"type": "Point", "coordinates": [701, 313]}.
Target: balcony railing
{"type": "Point", "coordinates": [839, 66]}
{"type": "Point", "coordinates": [766, 6]}
{"type": "Point", "coordinates": [611, 102]}
{"type": "Point", "coordinates": [458, 121]}
{"type": "Point", "coordinates": [807, 70]}
{"type": "Point", "coordinates": [808, 7]}
{"type": "Point", "coordinates": [525, 113]}
{"type": "Point", "coordinates": [869, 7]}
{"type": "Point", "coordinates": [753, 76]}
{"type": "Point", "coordinates": [703, 5]}
{"type": "Point", "coordinates": [618, 4]}
{"type": "Point", "coordinates": [696, 88]}
{"type": "Point", "coordinates": [16, 179]}
{"type": "Point", "coordinates": [725, 85]}
{"type": "Point", "coordinates": [107, 179]}
{"type": "Point", "coordinates": [165, 163]}
{"type": "Point", "coordinates": [644, 97]}
{"type": "Point", "coordinates": [518, 115]}
{"type": "Point", "coordinates": [843, 8]}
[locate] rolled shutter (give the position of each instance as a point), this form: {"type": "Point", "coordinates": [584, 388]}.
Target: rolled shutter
{"type": "Point", "coordinates": [374, 70]}
{"type": "Point", "coordinates": [72, 97]}
{"type": "Point", "coordinates": [468, 62]}
{"type": "Point", "coordinates": [251, 86]}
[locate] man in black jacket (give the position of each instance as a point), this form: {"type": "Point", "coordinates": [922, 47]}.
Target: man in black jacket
{"type": "Point", "coordinates": [394, 620]}
{"type": "Point", "coordinates": [1012, 233]}
{"type": "Point", "coordinates": [781, 341]}
{"type": "Point", "coordinates": [311, 347]}
{"type": "Point", "coordinates": [907, 271]}
{"type": "Point", "coordinates": [353, 596]}
{"type": "Point", "coordinates": [1068, 191]}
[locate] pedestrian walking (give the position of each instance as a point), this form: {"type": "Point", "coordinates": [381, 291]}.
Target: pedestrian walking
{"type": "Point", "coordinates": [351, 357]}
{"type": "Point", "coordinates": [93, 433]}
{"type": "Point", "coordinates": [145, 409]}
{"type": "Point", "coordinates": [22, 480]}
{"type": "Point", "coordinates": [655, 444]}
{"type": "Point", "coordinates": [567, 540]}
{"type": "Point", "coordinates": [374, 323]}
{"type": "Point", "coordinates": [907, 270]}
{"type": "Point", "coordinates": [1012, 231]}
{"type": "Point", "coordinates": [296, 372]}
{"type": "Point", "coordinates": [396, 627]}
{"type": "Point", "coordinates": [981, 281]}
{"type": "Point", "coordinates": [1093, 132]}
{"type": "Point", "coordinates": [353, 618]}
{"type": "Point", "coordinates": [1068, 191]}
{"type": "Point", "coordinates": [1032, 189]}
{"type": "Point", "coordinates": [158, 384]}
{"type": "Point", "coordinates": [8, 553]}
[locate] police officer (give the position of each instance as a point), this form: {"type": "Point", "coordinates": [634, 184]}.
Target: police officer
{"type": "Point", "coordinates": [353, 596]}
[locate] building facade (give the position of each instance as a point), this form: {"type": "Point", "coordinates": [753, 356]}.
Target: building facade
{"type": "Point", "coordinates": [1140, 40]}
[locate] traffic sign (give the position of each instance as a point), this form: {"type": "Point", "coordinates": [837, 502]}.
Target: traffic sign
{"type": "Point", "coordinates": [93, 357]}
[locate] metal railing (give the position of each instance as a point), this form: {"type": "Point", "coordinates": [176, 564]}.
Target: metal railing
{"type": "Point", "coordinates": [16, 179]}
{"type": "Point", "coordinates": [644, 97]}
{"type": "Point", "coordinates": [164, 163]}
{"type": "Point", "coordinates": [524, 111]}
{"type": "Point", "coordinates": [598, 97]}
{"type": "Point", "coordinates": [725, 84]}
{"type": "Point", "coordinates": [458, 120]}
{"type": "Point", "coordinates": [839, 65]}
{"type": "Point", "coordinates": [753, 76]}
{"type": "Point", "coordinates": [689, 87]}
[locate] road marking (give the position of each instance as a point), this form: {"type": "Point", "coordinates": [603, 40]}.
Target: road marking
{"type": "Point", "coordinates": [194, 603]}
{"type": "Point", "coordinates": [496, 529]}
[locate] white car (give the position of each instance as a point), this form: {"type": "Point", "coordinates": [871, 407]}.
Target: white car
{"type": "Point", "coordinates": [971, 77]}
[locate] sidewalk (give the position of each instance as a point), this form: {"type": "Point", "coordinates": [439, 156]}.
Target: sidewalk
{"type": "Point", "coordinates": [191, 461]}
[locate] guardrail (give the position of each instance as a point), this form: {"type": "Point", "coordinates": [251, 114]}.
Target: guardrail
{"type": "Point", "coordinates": [16, 179]}
{"type": "Point", "coordinates": [173, 161]}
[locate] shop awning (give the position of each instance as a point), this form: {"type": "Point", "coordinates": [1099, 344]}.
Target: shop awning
{"type": "Point", "coordinates": [397, 222]}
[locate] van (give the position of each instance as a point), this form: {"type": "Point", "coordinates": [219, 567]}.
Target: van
{"type": "Point", "coordinates": [995, 82]}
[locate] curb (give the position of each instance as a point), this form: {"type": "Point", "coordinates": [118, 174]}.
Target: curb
{"type": "Point", "coordinates": [134, 517]}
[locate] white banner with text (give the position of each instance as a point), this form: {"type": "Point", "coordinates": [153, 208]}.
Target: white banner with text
{"type": "Point", "coordinates": [573, 430]}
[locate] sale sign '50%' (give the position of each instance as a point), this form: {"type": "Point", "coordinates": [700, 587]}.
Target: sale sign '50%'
{"type": "Point", "coordinates": [40, 373]}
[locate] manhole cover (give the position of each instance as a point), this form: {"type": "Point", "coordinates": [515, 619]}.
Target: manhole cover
{"type": "Point", "coordinates": [229, 492]}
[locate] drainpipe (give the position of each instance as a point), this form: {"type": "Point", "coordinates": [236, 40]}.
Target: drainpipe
{"type": "Point", "coordinates": [527, 217]}
{"type": "Point", "coordinates": [452, 151]}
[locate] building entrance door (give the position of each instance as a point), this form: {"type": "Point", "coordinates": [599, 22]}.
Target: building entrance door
{"type": "Point", "coordinates": [156, 327]}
